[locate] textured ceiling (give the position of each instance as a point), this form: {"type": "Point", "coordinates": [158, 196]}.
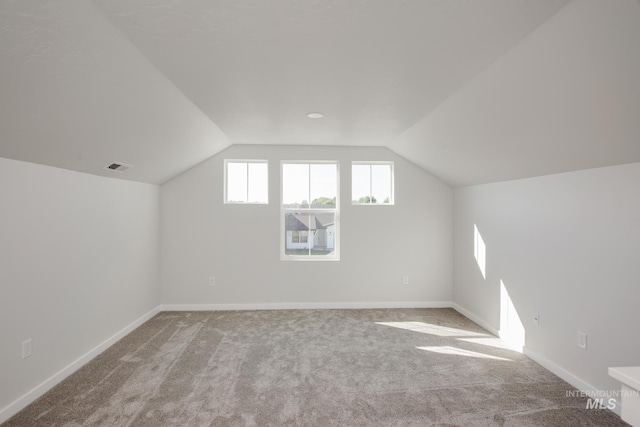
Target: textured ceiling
{"type": "Point", "coordinates": [464, 89]}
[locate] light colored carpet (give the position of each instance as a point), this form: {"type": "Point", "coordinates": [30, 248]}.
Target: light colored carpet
{"type": "Point", "coordinates": [399, 367]}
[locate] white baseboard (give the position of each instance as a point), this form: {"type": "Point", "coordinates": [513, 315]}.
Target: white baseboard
{"type": "Point", "coordinates": [35, 393]}
{"type": "Point", "coordinates": [306, 306]}
{"type": "Point", "coordinates": [47, 385]}
{"type": "Point", "coordinates": [567, 376]}
{"type": "Point", "coordinates": [469, 315]}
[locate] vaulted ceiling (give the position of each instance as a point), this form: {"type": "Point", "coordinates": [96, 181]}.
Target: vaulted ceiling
{"type": "Point", "coordinates": [472, 92]}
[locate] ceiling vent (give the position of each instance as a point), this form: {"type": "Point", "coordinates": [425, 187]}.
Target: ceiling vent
{"type": "Point", "coordinates": [117, 166]}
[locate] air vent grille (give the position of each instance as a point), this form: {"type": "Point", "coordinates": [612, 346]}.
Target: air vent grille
{"type": "Point", "coordinates": [117, 166]}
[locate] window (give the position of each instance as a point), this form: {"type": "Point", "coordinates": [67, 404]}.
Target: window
{"type": "Point", "coordinates": [309, 218]}
{"type": "Point", "coordinates": [246, 181]}
{"type": "Point", "coordinates": [299, 236]}
{"type": "Point", "coordinates": [372, 183]}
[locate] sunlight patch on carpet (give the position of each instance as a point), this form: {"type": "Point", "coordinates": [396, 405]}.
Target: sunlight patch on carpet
{"type": "Point", "coordinates": [461, 352]}
{"type": "Point", "coordinates": [428, 328]}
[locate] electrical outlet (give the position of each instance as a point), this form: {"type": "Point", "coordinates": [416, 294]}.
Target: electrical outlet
{"type": "Point", "coordinates": [536, 319]}
{"type": "Point", "coordinates": [26, 348]}
{"type": "Point", "coordinates": [212, 281]}
{"type": "Point", "coordinates": [405, 280]}
{"type": "Point", "coordinates": [582, 340]}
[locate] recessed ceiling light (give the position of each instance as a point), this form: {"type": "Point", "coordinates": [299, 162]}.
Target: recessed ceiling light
{"type": "Point", "coordinates": [315, 115]}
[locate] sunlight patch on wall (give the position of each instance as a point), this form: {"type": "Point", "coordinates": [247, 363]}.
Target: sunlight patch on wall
{"type": "Point", "coordinates": [480, 251]}
{"type": "Point", "coordinates": [511, 328]}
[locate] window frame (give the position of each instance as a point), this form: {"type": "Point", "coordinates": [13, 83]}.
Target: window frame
{"type": "Point", "coordinates": [226, 181]}
{"type": "Point", "coordinates": [335, 255]}
{"type": "Point", "coordinates": [392, 197]}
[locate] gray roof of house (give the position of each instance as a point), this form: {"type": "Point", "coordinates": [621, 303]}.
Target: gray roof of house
{"type": "Point", "coordinates": [309, 221]}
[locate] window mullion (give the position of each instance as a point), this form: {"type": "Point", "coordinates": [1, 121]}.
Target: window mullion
{"type": "Point", "coordinates": [309, 213]}
{"type": "Point", "coordinates": [308, 232]}
{"type": "Point", "coordinates": [247, 182]}
{"type": "Point", "coordinates": [370, 183]}
{"type": "Point", "coordinates": [309, 189]}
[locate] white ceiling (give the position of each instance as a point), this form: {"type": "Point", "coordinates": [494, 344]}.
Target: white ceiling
{"type": "Point", "coordinates": [472, 91]}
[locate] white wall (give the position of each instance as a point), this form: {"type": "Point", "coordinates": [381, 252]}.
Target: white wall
{"type": "Point", "coordinates": [567, 247]}
{"type": "Point", "coordinates": [78, 263]}
{"type": "Point", "coordinates": [240, 244]}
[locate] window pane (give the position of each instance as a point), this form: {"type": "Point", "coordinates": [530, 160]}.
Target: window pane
{"type": "Point", "coordinates": [381, 183]}
{"type": "Point", "coordinates": [295, 185]}
{"type": "Point", "coordinates": [309, 233]}
{"type": "Point", "coordinates": [236, 182]}
{"type": "Point", "coordinates": [324, 188]}
{"type": "Point", "coordinates": [372, 183]}
{"type": "Point", "coordinates": [360, 185]}
{"type": "Point", "coordinates": [258, 183]}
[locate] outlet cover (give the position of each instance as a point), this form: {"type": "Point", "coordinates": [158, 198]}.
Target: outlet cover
{"type": "Point", "coordinates": [582, 340]}
{"type": "Point", "coordinates": [405, 280]}
{"type": "Point", "coordinates": [26, 348]}
{"type": "Point", "coordinates": [212, 281]}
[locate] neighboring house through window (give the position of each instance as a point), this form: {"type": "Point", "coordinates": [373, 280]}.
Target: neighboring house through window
{"type": "Point", "coordinates": [310, 215]}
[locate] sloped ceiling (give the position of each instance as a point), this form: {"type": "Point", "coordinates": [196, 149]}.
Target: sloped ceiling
{"type": "Point", "coordinates": [75, 94]}
{"type": "Point", "coordinates": [566, 98]}
{"type": "Point", "coordinates": [471, 91]}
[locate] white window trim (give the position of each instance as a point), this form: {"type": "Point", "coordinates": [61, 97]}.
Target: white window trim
{"type": "Point", "coordinates": [336, 251]}
{"type": "Point", "coordinates": [225, 198]}
{"type": "Point", "coordinates": [392, 196]}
